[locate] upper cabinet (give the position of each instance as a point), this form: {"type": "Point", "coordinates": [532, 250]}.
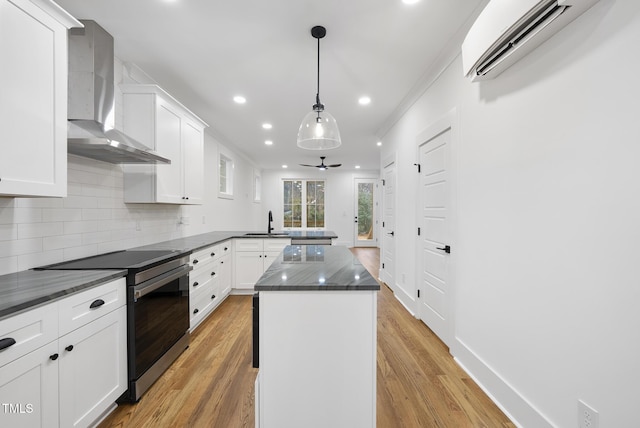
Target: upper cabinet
{"type": "Point", "coordinates": [157, 120]}
{"type": "Point", "coordinates": [33, 105]}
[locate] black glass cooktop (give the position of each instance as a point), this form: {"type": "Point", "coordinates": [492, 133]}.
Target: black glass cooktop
{"type": "Point", "coordinates": [131, 259]}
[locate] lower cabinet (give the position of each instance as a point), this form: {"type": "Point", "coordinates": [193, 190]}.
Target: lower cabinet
{"type": "Point", "coordinates": [209, 281]}
{"type": "Point", "coordinates": [253, 257]}
{"type": "Point", "coordinates": [29, 389]}
{"type": "Point", "coordinates": [92, 368]}
{"type": "Point", "coordinates": [73, 379]}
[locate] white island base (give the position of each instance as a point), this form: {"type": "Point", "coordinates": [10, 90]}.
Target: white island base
{"type": "Point", "coordinates": [317, 359]}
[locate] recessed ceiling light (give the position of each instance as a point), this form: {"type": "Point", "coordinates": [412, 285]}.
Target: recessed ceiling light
{"type": "Point", "coordinates": [285, 166]}
{"type": "Point", "coordinates": [379, 143]}
{"type": "Point", "coordinates": [267, 126]}
{"type": "Point", "coordinates": [239, 99]}
{"type": "Point", "coordinates": [357, 166]}
{"type": "Point", "coordinates": [410, 1]}
{"type": "Point", "coordinates": [363, 101]}
{"type": "Point", "coordinates": [268, 142]}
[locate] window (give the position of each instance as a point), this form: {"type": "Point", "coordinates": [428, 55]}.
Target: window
{"type": "Point", "coordinates": [303, 204]}
{"type": "Point", "coordinates": [225, 173]}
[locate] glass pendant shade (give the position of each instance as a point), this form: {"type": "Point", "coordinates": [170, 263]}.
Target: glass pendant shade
{"type": "Point", "coordinates": [318, 131]}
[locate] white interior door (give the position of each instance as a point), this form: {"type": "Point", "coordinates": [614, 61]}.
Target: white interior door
{"type": "Point", "coordinates": [365, 221]}
{"type": "Point", "coordinates": [387, 272]}
{"type": "Point", "coordinates": [434, 218]}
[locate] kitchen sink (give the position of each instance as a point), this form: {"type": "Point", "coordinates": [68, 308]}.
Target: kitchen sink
{"type": "Point", "coordinates": [265, 234]}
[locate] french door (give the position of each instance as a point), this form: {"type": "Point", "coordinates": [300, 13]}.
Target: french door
{"type": "Point", "coordinates": [365, 220]}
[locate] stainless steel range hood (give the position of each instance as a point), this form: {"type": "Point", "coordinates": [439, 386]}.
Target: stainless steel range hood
{"type": "Point", "coordinates": [91, 102]}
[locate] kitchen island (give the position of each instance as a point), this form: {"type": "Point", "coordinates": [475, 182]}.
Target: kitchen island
{"type": "Point", "coordinates": [317, 340]}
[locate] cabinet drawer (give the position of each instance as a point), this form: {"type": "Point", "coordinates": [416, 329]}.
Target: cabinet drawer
{"type": "Point", "coordinates": [30, 330]}
{"type": "Point", "coordinates": [248, 244]}
{"type": "Point", "coordinates": [276, 245]}
{"type": "Point", "coordinates": [76, 310]}
{"type": "Point", "coordinates": [202, 303]}
{"type": "Point", "coordinates": [203, 275]}
{"type": "Point", "coordinates": [201, 257]}
{"type": "Point", "coordinates": [222, 249]}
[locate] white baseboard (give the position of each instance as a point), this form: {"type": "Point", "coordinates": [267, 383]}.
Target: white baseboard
{"type": "Point", "coordinates": [405, 299]}
{"type": "Point", "coordinates": [514, 405]}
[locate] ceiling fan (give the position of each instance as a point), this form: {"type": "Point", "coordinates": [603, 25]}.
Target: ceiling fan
{"type": "Point", "coordinates": [322, 166]}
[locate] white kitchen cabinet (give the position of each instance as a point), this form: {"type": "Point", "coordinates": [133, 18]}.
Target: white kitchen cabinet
{"type": "Point", "coordinates": [33, 105]}
{"type": "Point", "coordinates": [157, 120]}
{"type": "Point", "coordinates": [29, 389]}
{"type": "Point", "coordinates": [209, 281]}
{"type": "Point", "coordinates": [93, 369]}
{"type": "Point", "coordinates": [253, 257]}
{"type": "Point", "coordinates": [78, 367]}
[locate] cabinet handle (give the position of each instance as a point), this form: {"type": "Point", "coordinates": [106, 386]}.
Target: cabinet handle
{"type": "Point", "coordinates": [213, 274]}
{"type": "Point", "coordinates": [187, 197]}
{"type": "Point", "coordinates": [6, 342]}
{"type": "Point", "coordinates": [195, 262]}
{"type": "Point", "coordinates": [96, 304]}
{"type": "Point", "coordinates": [69, 348]}
{"type": "Point", "coordinates": [53, 357]}
{"type": "Point", "coordinates": [195, 284]}
{"type": "Point", "coordinates": [213, 297]}
{"type": "Point", "coordinates": [221, 262]}
{"type": "Point", "coordinates": [260, 256]}
{"type": "Point", "coordinates": [195, 311]}
{"type": "Point", "coordinates": [225, 248]}
{"type": "Point", "coordinates": [213, 254]}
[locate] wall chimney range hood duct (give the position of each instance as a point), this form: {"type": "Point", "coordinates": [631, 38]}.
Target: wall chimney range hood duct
{"type": "Point", "coordinates": [91, 102]}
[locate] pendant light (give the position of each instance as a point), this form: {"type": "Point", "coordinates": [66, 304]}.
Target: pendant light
{"type": "Point", "coordinates": [318, 130]}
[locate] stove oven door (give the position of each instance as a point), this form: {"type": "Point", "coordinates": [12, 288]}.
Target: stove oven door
{"type": "Point", "coordinates": [158, 319]}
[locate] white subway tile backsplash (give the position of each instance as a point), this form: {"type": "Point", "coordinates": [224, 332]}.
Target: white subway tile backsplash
{"type": "Point", "coordinates": [80, 252]}
{"type": "Point", "coordinates": [61, 241]}
{"type": "Point", "coordinates": [80, 226]}
{"type": "Point", "coordinates": [61, 214]}
{"type": "Point", "coordinates": [20, 215]}
{"type": "Point", "coordinates": [39, 230]}
{"type": "Point", "coordinates": [19, 247]}
{"type": "Point", "coordinates": [32, 260]}
{"type": "Point", "coordinates": [8, 232]}
{"type": "Point", "coordinates": [8, 265]}
{"type": "Point", "coordinates": [97, 191]}
{"type": "Point", "coordinates": [38, 202]}
{"type": "Point", "coordinates": [80, 202]}
{"type": "Point", "coordinates": [74, 189]}
{"type": "Point", "coordinates": [96, 214]}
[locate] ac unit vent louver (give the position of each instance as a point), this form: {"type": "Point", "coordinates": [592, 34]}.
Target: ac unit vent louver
{"type": "Point", "coordinates": [507, 30]}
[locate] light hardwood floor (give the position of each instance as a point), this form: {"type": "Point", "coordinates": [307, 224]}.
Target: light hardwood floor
{"type": "Point", "coordinates": [211, 384]}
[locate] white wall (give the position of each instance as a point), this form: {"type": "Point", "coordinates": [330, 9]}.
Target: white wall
{"type": "Point", "coordinates": [547, 227]}
{"type": "Point", "coordinates": [94, 219]}
{"type": "Point", "coordinates": [339, 198]}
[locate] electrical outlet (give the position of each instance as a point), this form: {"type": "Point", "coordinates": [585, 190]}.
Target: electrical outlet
{"type": "Point", "coordinates": [587, 416]}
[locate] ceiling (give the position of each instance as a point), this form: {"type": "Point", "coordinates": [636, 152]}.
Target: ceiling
{"type": "Point", "coordinates": [205, 52]}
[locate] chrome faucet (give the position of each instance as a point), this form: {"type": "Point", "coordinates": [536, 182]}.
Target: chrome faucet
{"type": "Point", "coordinates": [269, 228]}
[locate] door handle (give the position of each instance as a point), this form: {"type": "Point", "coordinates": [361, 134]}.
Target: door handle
{"type": "Point", "coordinates": [391, 233]}
{"type": "Point", "coordinates": [355, 219]}
{"type": "Point", "coordinates": [446, 249]}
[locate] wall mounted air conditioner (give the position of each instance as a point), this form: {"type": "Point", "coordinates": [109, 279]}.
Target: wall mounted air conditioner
{"type": "Point", "coordinates": [507, 30]}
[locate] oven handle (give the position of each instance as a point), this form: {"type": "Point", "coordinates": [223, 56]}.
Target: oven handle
{"type": "Point", "coordinates": [154, 284]}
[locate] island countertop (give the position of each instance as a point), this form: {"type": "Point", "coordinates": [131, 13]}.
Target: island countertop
{"type": "Point", "coordinates": [316, 267]}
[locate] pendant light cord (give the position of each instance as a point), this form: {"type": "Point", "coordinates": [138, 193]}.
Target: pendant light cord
{"type": "Point", "coordinates": [318, 81]}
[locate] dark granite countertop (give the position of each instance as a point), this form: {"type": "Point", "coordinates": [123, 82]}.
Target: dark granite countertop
{"type": "Point", "coordinates": [23, 290]}
{"type": "Point", "coordinates": [316, 267]}
{"type": "Point", "coordinates": [203, 240]}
